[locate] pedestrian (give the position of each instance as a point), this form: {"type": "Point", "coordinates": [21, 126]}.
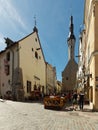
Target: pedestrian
{"type": "Point", "coordinates": [81, 100]}
{"type": "Point", "coordinates": [74, 100]}
{"type": "Point", "coordinates": [69, 97]}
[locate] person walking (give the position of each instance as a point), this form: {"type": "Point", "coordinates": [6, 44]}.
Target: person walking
{"type": "Point", "coordinates": [81, 100]}
{"type": "Point", "coordinates": [74, 100]}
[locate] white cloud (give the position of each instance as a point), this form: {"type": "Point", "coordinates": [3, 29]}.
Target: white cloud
{"type": "Point", "coordinates": [8, 11]}
{"type": "Point", "coordinates": [2, 42]}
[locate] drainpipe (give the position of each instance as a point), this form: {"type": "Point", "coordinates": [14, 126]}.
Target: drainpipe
{"type": "Point", "coordinates": [9, 42]}
{"type": "Point", "coordinates": [46, 77]}
{"type": "Point", "coordinates": [13, 87]}
{"type": "Point", "coordinates": [0, 79]}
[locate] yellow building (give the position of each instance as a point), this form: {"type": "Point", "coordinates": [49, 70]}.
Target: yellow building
{"type": "Point", "coordinates": [58, 87]}
{"type": "Point", "coordinates": [90, 67]}
{"type": "Point", "coordinates": [22, 67]}
{"type": "Point", "coordinates": [50, 79]}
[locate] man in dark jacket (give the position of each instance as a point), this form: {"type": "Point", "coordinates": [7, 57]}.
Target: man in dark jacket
{"type": "Point", "coordinates": [81, 100]}
{"type": "Point", "coordinates": [74, 100]}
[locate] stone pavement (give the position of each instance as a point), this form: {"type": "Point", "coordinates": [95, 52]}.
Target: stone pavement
{"type": "Point", "coordinates": [82, 120]}
{"type": "Point", "coordinates": [68, 106]}
{"type": "Point", "coordinates": [33, 116]}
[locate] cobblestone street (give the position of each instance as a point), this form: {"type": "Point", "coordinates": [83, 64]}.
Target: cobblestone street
{"type": "Point", "coordinates": [33, 116]}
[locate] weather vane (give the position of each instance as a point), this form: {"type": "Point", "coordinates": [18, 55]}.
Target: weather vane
{"type": "Point", "coordinates": [71, 7]}
{"type": "Point", "coordinates": [35, 20]}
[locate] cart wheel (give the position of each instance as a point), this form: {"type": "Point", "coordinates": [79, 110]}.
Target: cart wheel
{"type": "Point", "coordinates": [45, 107]}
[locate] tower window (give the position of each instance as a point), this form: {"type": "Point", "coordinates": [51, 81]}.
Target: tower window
{"type": "Point", "coordinates": [28, 86]}
{"type": "Point", "coordinates": [9, 82]}
{"type": "Point", "coordinates": [36, 39]}
{"type": "Point", "coordinates": [36, 55]}
{"type": "Point", "coordinates": [39, 57]}
{"type": "Point", "coordinates": [8, 56]}
{"type": "Point", "coordinates": [7, 69]}
{"type": "Point", "coordinates": [66, 78]}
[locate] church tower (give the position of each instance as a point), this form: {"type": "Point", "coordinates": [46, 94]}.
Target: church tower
{"type": "Point", "coordinates": [71, 40]}
{"type": "Point", "coordinates": [69, 73]}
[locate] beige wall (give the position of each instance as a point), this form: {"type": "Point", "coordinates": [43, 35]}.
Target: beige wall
{"type": "Point", "coordinates": [31, 67]}
{"type": "Point", "coordinates": [50, 78]}
{"type": "Point", "coordinates": [87, 13]}
{"type": "Point", "coordinates": [96, 26]}
{"type": "Point", "coordinates": [91, 51]}
{"type": "Point", "coordinates": [69, 76]}
{"type": "Point", "coordinates": [96, 81]}
{"type": "Point", "coordinates": [58, 87]}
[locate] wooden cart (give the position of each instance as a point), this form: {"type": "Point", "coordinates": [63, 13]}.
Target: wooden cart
{"type": "Point", "coordinates": [54, 102]}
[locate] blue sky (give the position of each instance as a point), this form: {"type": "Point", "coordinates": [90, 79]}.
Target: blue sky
{"type": "Point", "coordinates": [53, 18]}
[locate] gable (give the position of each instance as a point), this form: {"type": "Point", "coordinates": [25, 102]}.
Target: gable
{"type": "Point", "coordinates": [31, 43]}
{"type": "Point", "coordinates": [71, 66]}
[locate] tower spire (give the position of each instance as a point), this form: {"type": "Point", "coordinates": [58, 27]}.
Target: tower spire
{"type": "Point", "coordinates": [71, 24]}
{"type": "Point", "coordinates": [35, 28]}
{"type": "Point", "coordinates": [35, 20]}
{"type": "Point", "coordinates": [71, 29]}
{"type": "Point", "coordinates": [71, 39]}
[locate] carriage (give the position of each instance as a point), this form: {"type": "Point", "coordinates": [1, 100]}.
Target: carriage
{"type": "Point", "coordinates": [54, 102]}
